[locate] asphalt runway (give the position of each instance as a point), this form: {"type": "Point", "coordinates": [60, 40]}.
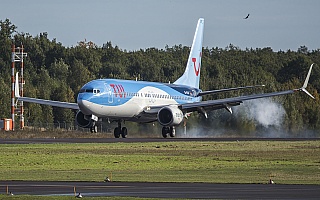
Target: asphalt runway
{"type": "Point", "coordinates": [163, 190]}
{"type": "Point", "coordinates": [158, 190]}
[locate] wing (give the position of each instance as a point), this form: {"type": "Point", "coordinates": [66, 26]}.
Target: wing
{"type": "Point", "coordinates": [49, 102]}
{"type": "Point", "coordinates": [227, 103]}
{"type": "Point", "coordinates": [227, 90]}
{"type": "Point", "coordinates": [43, 101]}
{"type": "Point", "coordinates": [204, 106]}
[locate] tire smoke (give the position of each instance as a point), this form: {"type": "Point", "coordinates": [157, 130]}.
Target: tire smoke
{"type": "Point", "coordinates": [266, 115]}
{"type": "Point", "coordinates": [265, 112]}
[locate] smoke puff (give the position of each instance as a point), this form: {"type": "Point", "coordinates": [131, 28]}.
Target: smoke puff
{"type": "Point", "coordinates": [265, 112]}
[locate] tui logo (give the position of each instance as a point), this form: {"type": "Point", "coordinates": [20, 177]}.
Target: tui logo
{"type": "Point", "coordinates": [196, 70]}
{"type": "Point", "coordinates": [118, 90]}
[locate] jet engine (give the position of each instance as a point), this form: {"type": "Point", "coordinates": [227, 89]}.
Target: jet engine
{"type": "Point", "coordinates": [82, 121]}
{"type": "Point", "coordinates": [170, 116]}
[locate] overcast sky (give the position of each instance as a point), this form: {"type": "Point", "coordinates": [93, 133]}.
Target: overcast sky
{"type": "Point", "coordinates": [135, 24]}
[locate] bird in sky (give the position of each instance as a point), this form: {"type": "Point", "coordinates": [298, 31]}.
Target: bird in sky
{"type": "Point", "coordinates": [246, 16]}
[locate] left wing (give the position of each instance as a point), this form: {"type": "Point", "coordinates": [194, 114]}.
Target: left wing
{"type": "Point", "coordinates": [227, 103]}
{"type": "Point", "coordinates": [204, 106]}
{"type": "Point", "coordinates": [227, 90]}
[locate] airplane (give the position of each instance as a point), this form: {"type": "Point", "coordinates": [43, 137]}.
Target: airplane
{"type": "Point", "coordinates": [141, 101]}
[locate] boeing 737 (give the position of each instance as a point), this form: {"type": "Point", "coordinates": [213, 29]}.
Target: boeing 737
{"type": "Point", "coordinates": [143, 102]}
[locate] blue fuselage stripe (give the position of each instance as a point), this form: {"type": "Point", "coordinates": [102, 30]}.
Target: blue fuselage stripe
{"type": "Point", "coordinates": [114, 92]}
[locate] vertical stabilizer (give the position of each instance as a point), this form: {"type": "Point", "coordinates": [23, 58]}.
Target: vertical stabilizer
{"type": "Point", "coordinates": [191, 76]}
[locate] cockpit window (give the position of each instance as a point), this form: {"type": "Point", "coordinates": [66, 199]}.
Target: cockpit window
{"type": "Point", "coordinates": [89, 90]}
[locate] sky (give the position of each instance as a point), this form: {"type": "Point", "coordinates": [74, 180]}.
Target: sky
{"type": "Point", "coordinates": [141, 24]}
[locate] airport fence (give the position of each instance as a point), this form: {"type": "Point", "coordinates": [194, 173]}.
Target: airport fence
{"type": "Point", "coordinates": [64, 126]}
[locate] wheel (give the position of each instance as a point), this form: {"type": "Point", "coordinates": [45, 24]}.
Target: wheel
{"type": "Point", "coordinates": [117, 132]}
{"type": "Point", "coordinates": [94, 129]}
{"type": "Point", "coordinates": [165, 131]}
{"type": "Point", "coordinates": [172, 131]}
{"type": "Point", "coordinates": [124, 132]}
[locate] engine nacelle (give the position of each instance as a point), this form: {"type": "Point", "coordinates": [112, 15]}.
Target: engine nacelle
{"type": "Point", "coordinates": [170, 116]}
{"type": "Point", "coordinates": [82, 121]}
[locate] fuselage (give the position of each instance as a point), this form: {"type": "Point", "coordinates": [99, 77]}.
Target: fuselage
{"type": "Point", "coordinates": [126, 99]}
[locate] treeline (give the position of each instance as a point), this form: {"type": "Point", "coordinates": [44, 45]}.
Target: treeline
{"type": "Point", "coordinates": [55, 72]}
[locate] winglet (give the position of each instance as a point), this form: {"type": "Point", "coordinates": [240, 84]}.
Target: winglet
{"type": "Point", "coordinates": [306, 83]}
{"type": "Point", "coordinates": [16, 86]}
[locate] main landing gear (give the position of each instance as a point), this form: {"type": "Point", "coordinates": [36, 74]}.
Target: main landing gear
{"type": "Point", "coordinates": [120, 131]}
{"type": "Point", "coordinates": [166, 130]}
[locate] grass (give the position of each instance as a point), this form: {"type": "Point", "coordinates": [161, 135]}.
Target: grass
{"type": "Point", "coordinates": [285, 162]}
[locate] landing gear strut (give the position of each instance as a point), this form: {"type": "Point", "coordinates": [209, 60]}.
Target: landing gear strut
{"type": "Point", "coordinates": [94, 128]}
{"type": "Point", "coordinates": [171, 131]}
{"type": "Point", "coordinates": [120, 131]}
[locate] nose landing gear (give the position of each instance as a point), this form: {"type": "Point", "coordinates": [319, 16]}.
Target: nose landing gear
{"type": "Point", "coordinates": [94, 129]}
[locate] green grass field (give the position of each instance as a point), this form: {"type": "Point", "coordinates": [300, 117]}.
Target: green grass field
{"type": "Point", "coordinates": [215, 162]}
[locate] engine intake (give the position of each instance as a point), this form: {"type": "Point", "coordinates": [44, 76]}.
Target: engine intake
{"type": "Point", "coordinates": [170, 116]}
{"type": "Point", "coordinates": [82, 121]}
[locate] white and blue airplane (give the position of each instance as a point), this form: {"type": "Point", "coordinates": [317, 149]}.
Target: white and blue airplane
{"type": "Point", "coordinates": [142, 101]}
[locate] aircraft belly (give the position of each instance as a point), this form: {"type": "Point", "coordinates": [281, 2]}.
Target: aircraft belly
{"type": "Point", "coordinates": [126, 110]}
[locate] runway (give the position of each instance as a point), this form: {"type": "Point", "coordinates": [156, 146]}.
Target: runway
{"type": "Point", "coordinates": [163, 190]}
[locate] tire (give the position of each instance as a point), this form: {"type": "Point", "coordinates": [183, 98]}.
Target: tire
{"type": "Point", "coordinates": [124, 132]}
{"type": "Point", "coordinates": [172, 132]}
{"type": "Point", "coordinates": [117, 132]}
{"type": "Point", "coordinates": [165, 131]}
{"type": "Point", "coordinates": [95, 129]}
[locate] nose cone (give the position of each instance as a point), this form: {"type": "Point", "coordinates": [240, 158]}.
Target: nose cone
{"type": "Point", "coordinates": [84, 105]}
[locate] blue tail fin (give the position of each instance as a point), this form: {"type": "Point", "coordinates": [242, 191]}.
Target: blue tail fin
{"type": "Point", "coordinates": [191, 76]}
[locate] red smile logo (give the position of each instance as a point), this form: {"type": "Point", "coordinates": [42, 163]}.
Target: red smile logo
{"type": "Point", "coordinates": [197, 71]}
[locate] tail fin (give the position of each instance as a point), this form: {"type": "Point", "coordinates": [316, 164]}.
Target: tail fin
{"type": "Point", "coordinates": [191, 76]}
